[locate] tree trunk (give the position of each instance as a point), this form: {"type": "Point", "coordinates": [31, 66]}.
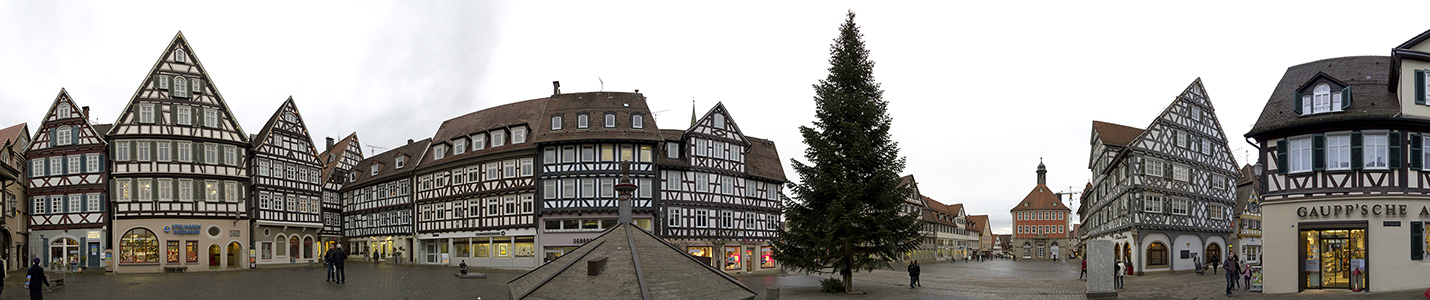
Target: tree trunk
{"type": "Point", "coordinates": [849, 281]}
{"type": "Point", "coordinates": [849, 266]}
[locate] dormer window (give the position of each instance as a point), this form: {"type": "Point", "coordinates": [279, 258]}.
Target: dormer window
{"type": "Point", "coordinates": [374, 168]}
{"type": "Point", "coordinates": [583, 121]}
{"type": "Point", "coordinates": [1324, 97]}
{"type": "Point", "coordinates": [439, 152]}
{"type": "Point", "coordinates": [518, 135]}
{"type": "Point", "coordinates": [401, 161]}
{"type": "Point", "coordinates": [459, 146]}
{"type": "Point", "coordinates": [498, 138]}
{"type": "Point", "coordinates": [610, 120]}
{"type": "Point", "coordinates": [637, 121]}
{"type": "Point", "coordinates": [556, 122]}
{"type": "Point", "coordinates": [479, 141]}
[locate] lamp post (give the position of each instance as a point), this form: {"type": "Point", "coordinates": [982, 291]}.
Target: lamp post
{"type": "Point", "coordinates": [624, 189]}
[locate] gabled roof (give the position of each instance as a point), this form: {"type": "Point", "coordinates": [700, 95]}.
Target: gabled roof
{"type": "Point", "coordinates": [1040, 198]}
{"type": "Point", "coordinates": [330, 166]}
{"type": "Point", "coordinates": [1115, 134]}
{"type": "Point", "coordinates": [935, 208]}
{"type": "Point", "coordinates": [179, 43]}
{"type": "Point", "coordinates": [980, 222]}
{"type": "Point", "coordinates": [763, 160]}
{"type": "Point", "coordinates": [15, 133]}
{"type": "Point", "coordinates": [288, 106]}
{"type": "Point", "coordinates": [637, 265]}
{"type": "Point", "coordinates": [387, 159]}
{"type": "Point", "coordinates": [1366, 76]}
{"type": "Point", "coordinates": [1420, 38]}
{"type": "Point", "coordinates": [102, 129]}
{"type": "Point", "coordinates": [75, 110]}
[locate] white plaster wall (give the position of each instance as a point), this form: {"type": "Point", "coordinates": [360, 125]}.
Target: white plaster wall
{"type": "Point", "coordinates": [1187, 242]}
{"type": "Point", "coordinates": [1141, 250]}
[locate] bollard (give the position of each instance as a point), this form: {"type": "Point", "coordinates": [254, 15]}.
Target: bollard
{"type": "Point", "coordinates": [772, 293]}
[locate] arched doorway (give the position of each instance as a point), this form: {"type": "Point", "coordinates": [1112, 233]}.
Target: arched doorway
{"type": "Point", "coordinates": [235, 251]}
{"type": "Point", "coordinates": [307, 247]}
{"type": "Point", "coordinates": [1157, 255]}
{"type": "Point", "coordinates": [65, 251]}
{"type": "Point", "coordinates": [1127, 252]}
{"type": "Point", "coordinates": [1214, 253]}
{"type": "Point", "coordinates": [1116, 255]}
{"type": "Point", "coordinates": [214, 257]}
{"type": "Point", "coordinates": [293, 251]}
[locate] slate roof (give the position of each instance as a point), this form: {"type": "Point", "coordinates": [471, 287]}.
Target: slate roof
{"type": "Point", "coordinates": [387, 159]}
{"type": "Point", "coordinates": [1366, 75]}
{"type": "Point", "coordinates": [501, 116]}
{"type": "Point", "coordinates": [595, 105]}
{"type": "Point", "coordinates": [763, 159]}
{"type": "Point", "coordinates": [638, 266]}
{"type": "Point", "coordinates": [1115, 134]}
{"type": "Point", "coordinates": [102, 129]}
{"type": "Point", "coordinates": [1040, 198]}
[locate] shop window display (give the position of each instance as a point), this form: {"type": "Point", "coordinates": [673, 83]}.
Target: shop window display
{"type": "Point", "coordinates": [138, 245]}
{"type": "Point", "coordinates": [767, 257]}
{"type": "Point", "coordinates": [191, 250]}
{"type": "Point", "coordinates": [172, 251]}
{"type": "Point", "coordinates": [732, 258]}
{"type": "Point", "coordinates": [501, 247]}
{"type": "Point", "coordinates": [481, 247]}
{"type": "Point", "coordinates": [525, 246]}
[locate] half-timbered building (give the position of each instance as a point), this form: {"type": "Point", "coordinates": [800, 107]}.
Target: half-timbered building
{"type": "Point", "coordinates": [720, 191]}
{"type": "Point", "coordinates": [339, 159]}
{"type": "Point", "coordinates": [1248, 216]}
{"type": "Point", "coordinates": [67, 186]}
{"type": "Point", "coordinates": [13, 170]}
{"type": "Point", "coordinates": [476, 191]}
{"type": "Point", "coordinates": [1342, 173]}
{"type": "Point", "coordinates": [179, 179]}
{"type": "Point", "coordinates": [584, 139]}
{"type": "Point", "coordinates": [1164, 194]}
{"type": "Point", "coordinates": [286, 202]}
{"type": "Point", "coordinates": [939, 227]}
{"type": "Point", "coordinates": [1040, 223]}
{"type": "Point", "coordinates": [377, 203]}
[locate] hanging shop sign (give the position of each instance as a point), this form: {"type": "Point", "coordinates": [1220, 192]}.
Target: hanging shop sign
{"type": "Point", "coordinates": [1323, 211]}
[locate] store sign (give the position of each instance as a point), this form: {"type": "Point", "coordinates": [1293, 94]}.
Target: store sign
{"type": "Point", "coordinates": [182, 229]}
{"type": "Point", "coordinates": [1358, 209]}
{"type": "Point", "coordinates": [93, 234]}
{"type": "Point", "coordinates": [491, 233]}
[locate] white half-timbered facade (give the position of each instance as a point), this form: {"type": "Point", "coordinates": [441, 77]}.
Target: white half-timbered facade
{"type": "Point", "coordinates": [476, 189]}
{"type": "Point", "coordinates": [720, 192]}
{"type": "Point", "coordinates": [179, 176]}
{"type": "Point", "coordinates": [286, 202]}
{"type": "Point", "coordinates": [1164, 189]}
{"type": "Point", "coordinates": [377, 203]}
{"type": "Point", "coordinates": [67, 186]}
{"type": "Point", "coordinates": [338, 162]}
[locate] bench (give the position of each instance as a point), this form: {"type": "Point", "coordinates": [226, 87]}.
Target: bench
{"type": "Point", "coordinates": [57, 283]}
{"type": "Point", "coordinates": [175, 269]}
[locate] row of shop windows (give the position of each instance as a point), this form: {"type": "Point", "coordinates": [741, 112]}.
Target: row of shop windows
{"type": "Point", "coordinates": [293, 247]}
{"type": "Point", "coordinates": [733, 258]}
{"type": "Point", "coordinates": [482, 247]}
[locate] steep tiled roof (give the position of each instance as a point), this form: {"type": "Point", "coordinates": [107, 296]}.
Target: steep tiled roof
{"type": "Point", "coordinates": [1115, 134]}
{"type": "Point", "coordinates": [14, 133]}
{"type": "Point", "coordinates": [763, 160]}
{"type": "Point", "coordinates": [595, 105]}
{"type": "Point", "coordinates": [339, 149]}
{"type": "Point", "coordinates": [637, 265]}
{"type": "Point", "coordinates": [935, 208]}
{"type": "Point", "coordinates": [502, 116]}
{"type": "Point", "coordinates": [980, 222]}
{"type": "Point", "coordinates": [1366, 75]}
{"type": "Point", "coordinates": [102, 129]}
{"type": "Point", "coordinates": [1040, 198]}
{"type": "Point", "coordinates": [387, 159]}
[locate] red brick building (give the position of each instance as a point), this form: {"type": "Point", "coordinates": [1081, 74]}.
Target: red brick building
{"type": "Point", "coordinates": [1040, 223]}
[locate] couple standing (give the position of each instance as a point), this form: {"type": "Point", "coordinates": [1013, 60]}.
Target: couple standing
{"type": "Point", "coordinates": [334, 259]}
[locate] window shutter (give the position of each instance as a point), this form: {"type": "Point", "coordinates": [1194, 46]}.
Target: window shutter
{"type": "Point", "coordinates": [1166, 205]}
{"type": "Point", "coordinates": [198, 86]}
{"type": "Point", "coordinates": [1420, 87]}
{"type": "Point", "coordinates": [1393, 139]}
{"type": "Point", "coordinates": [52, 138]}
{"type": "Point", "coordinates": [1167, 169]}
{"type": "Point", "coordinates": [1281, 157]}
{"type": "Point", "coordinates": [1417, 239]}
{"type": "Point", "coordinates": [1356, 151]}
{"type": "Point", "coordinates": [198, 152]}
{"type": "Point", "coordinates": [102, 162]}
{"type": "Point", "coordinates": [74, 135]}
{"type": "Point", "coordinates": [1296, 106]}
{"type": "Point", "coordinates": [1416, 144]}
{"type": "Point", "coordinates": [1345, 98]}
{"type": "Point", "coordinates": [174, 151]}
{"type": "Point", "coordinates": [1318, 152]}
{"type": "Point", "coordinates": [153, 151]}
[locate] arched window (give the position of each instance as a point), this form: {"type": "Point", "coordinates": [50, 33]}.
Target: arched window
{"type": "Point", "coordinates": [181, 87]}
{"type": "Point", "coordinates": [293, 245]}
{"type": "Point", "coordinates": [308, 247]}
{"type": "Point", "coordinates": [1321, 99]}
{"type": "Point", "coordinates": [556, 122]}
{"type": "Point", "coordinates": [583, 121]}
{"type": "Point", "coordinates": [62, 135]}
{"type": "Point", "coordinates": [63, 111]}
{"type": "Point", "coordinates": [1157, 254]}
{"type": "Point", "coordinates": [179, 56]}
{"type": "Point", "coordinates": [138, 245]}
{"type": "Point", "coordinates": [610, 120]}
{"type": "Point", "coordinates": [282, 251]}
{"type": "Point", "coordinates": [637, 121]}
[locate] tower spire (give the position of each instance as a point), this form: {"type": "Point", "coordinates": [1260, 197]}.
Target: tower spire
{"type": "Point", "coordinates": [692, 112]}
{"type": "Point", "coordinates": [1042, 172]}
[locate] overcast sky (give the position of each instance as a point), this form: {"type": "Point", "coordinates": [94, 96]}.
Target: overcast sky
{"type": "Point", "coordinates": [979, 90]}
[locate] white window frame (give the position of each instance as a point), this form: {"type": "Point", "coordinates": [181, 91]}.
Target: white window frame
{"type": "Point", "coordinates": [146, 113]}
{"type": "Point", "coordinates": [186, 152]}
{"type": "Point", "coordinates": [211, 154]}
{"type": "Point", "coordinates": [210, 118]}
{"type": "Point", "coordinates": [1214, 212]}
{"type": "Point", "coordinates": [583, 121]}
{"type": "Point", "coordinates": [568, 188]}
{"type": "Point", "coordinates": [637, 121]}
{"type": "Point", "coordinates": [230, 155]}
{"type": "Point", "coordinates": [518, 135]}
{"type": "Point", "coordinates": [62, 136]}
{"type": "Point", "coordinates": [91, 163]}
{"type": "Point", "coordinates": [672, 217]}
{"type": "Point", "coordinates": [230, 191]}
{"type": "Point", "coordinates": [526, 167]}
{"type": "Point", "coordinates": [74, 166]}
{"type": "Point", "coordinates": [702, 182]}
{"type": "Point", "coordinates": [210, 190]}
{"type": "Point", "coordinates": [186, 190]}
{"type": "Point", "coordinates": [1154, 167]}
{"type": "Point", "coordinates": [672, 150]}
{"type": "Point", "coordinates": [439, 152]}
{"type": "Point", "coordinates": [479, 141]}
{"type": "Point", "coordinates": [556, 122]}
{"type": "Point", "coordinates": [610, 120]}
{"type": "Point", "coordinates": [401, 161]}
{"type": "Point", "coordinates": [1181, 172]}
{"type": "Point", "coordinates": [141, 151]}
{"type": "Point", "coordinates": [459, 146]}
{"type": "Point", "coordinates": [1152, 203]}
{"type": "Point", "coordinates": [1180, 206]}
{"type": "Point", "coordinates": [1374, 148]}
{"type": "Point", "coordinates": [498, 138]}
{"type": "Point", "coordinates": [1338, 151]}
{"type": "Point", "coordinates": [181, 87]}
{"type": "Point", "coordinates": [162, 151]}
{"type": "Point", "coordinates": [185, 115]}
{"type": "Point", "coordinates": [93, 199]}
{"type": "Point", "coordinates": [166, 189]}
{"type": "Point", "coordinates": [37, 167]}
{"type": "Point", "coordinates": [145, 190]}
{"type": "Point", "coordinates": [1321, 99]}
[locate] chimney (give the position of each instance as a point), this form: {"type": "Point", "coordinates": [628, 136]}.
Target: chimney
{"type": "Point", "coordinates": [555, 88]}
{"type": "Point", "coordinates": [85, 110]}
{"type": "Point", "coordinates": [638, 91]}
{"type": "Point", "coordinates": [409, 141]}
{"type": "Point", "coordinates": [330, 145]}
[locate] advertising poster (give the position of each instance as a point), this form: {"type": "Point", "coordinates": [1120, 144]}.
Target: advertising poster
{"type": "Point", "coordinates": [1256, 278]}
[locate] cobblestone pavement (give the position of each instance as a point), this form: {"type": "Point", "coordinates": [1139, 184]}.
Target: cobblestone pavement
{"type": "Point", "coordinates": [365, 281]}
{"type": "Point", "coordinates": [1002, 279]}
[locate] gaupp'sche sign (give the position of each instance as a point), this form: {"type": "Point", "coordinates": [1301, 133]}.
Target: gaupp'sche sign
{"type": "Point", "coordinates": [1322, 211]}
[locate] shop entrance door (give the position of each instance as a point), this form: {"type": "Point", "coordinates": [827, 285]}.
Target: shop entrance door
{"type": "Point", "coordinates": [1328, 257]}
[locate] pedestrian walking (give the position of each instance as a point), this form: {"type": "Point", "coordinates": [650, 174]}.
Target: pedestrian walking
{"type": "Point", "coordinates": [1246, 274]}
{"type": "Point", "coordinates": [1084, 269]}
{"type": "Point", "coordinates": [1117, 274]}
{"type": "Point", "coordinates": [1235, 284]}
{"type": "Point", "coordinates": [34, 278]}
{"type": "Point", "coordinates": [339, 258]}
{"type": "Point", "coordinates": [914, 274]}
{"type": "Point", "coordinates": [1229, 263]}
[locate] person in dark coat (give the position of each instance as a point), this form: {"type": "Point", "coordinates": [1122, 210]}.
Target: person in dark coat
{"type": "Point", "coordinates": [914, 274]}
{"type": "Point", "coordinates": [328, 264]}
{"type": "Point", "coordinates": [339, 256]}
{"type": "Point", "coordinates": [1230, 265]}
{"type": "Point", "coordinates": [34, 277]}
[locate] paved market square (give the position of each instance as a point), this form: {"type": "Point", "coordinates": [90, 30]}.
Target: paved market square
{"type": "Point", "coordinates": [998, 279]}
